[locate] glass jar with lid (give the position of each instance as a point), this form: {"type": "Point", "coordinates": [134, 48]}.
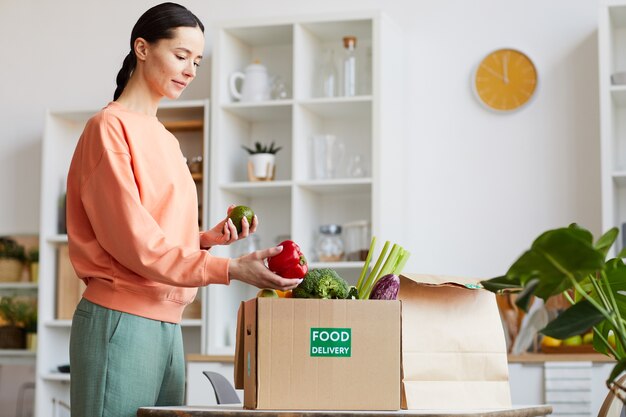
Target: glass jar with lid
{"type": "Point", "coordinates": [329, 247]}
{"type": "Point", "coordinates": [357, 240]}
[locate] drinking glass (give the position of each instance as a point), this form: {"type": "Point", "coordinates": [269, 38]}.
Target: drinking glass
{"type": "Point", "coordinates": [328, 152]}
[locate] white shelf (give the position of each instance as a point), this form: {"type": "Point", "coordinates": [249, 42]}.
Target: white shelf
{"type": "Point", "coordinates": [18, 286]}
{"type": "Point", "coordinates": [263, 35]}
{"type": "Point", "coordinates": [254, 189]}
{"type": "Point", "coordinates": [266, 111]}
{"type": "Point", "coordinates": [17, 353]}
{"type": "Point", "coordinates": [331, 31]}
{"type": "Point", "coordinates": [340, 107]}
{"type": "Point", "coordinates": [56, 377]}
{"type": "Point", "coordinates": [618, 93]}
{"type": "Point", "coordinates": [337, 265]}
{"type": "Point", "coordinates": [57, 239]}
{"type": "Point", "coordinates": [191, 323]}
{"type": "Point", "coordinates": [619, 178]}
{"type": "Point", "coordinates": [338, 186]}
{"type": "Point", "coordinates": [16, 356]}
{"type": "Point", "coordinates": [58, 323]}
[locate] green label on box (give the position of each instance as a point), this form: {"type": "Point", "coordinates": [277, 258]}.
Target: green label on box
{"type": "Point", "coordinates": [331, 341]}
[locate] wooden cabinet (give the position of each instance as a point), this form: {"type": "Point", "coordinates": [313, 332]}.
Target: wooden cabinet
{"type": "Point", "coordinates": [571, 384]}
{"type": "Point", "coordinates": [297, 202]}
{"type": "Point", "coordinates": [58, 295]}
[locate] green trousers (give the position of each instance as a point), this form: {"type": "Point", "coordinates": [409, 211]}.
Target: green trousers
{"type": "Point", "coordinates": [120, 362]}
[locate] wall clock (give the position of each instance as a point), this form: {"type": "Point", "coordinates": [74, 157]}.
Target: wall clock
{"type": "Point", "coordinates": [505, 80]}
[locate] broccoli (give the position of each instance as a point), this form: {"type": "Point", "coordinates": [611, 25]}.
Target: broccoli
{"type": "Point", "coordinates": [322, 283]}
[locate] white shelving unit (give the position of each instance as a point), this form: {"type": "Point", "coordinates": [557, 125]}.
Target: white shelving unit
{"type": "Point", "coordinates": [295, 204]}
{"type": "Point", "coordinates": [189, 121]}
{"type": "Point", "coordinates": [612, 60]}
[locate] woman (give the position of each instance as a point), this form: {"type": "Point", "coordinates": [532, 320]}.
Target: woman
{"type": "Point", "coordinates": [133, 235]}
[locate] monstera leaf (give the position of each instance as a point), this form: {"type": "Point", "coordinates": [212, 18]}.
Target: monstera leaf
{"type": "Point", "coordinates": [565, 261]}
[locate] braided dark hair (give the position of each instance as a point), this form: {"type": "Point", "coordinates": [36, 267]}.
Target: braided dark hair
{"type": "Point", "coordinates": [156, 23]}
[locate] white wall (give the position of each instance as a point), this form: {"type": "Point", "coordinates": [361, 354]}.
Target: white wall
{"type": "Point", "coordinates": [483, 185]}
{"type": "Point", "coordinates": [17, 392]}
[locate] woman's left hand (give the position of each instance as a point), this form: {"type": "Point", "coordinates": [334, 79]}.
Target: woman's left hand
{"type": "Point", "coordinates": [225, 232]}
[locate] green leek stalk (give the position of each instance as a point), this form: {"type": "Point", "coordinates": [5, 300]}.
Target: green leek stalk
{"type": "Point", "coordinates": [374, 271]}
{"type": "Point", "coordinates": [366, 266]}
{"type": "Point", "coordinates": [401, 262]}
{"type": "Point", "coordinates": [396, 250]}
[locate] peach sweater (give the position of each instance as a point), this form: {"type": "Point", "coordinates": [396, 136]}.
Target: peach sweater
{"type": "Point", "coordinates": [132, 218]}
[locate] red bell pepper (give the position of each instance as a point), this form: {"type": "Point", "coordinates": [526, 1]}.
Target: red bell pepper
{"type": "Point", "coordinates": [290, 263]}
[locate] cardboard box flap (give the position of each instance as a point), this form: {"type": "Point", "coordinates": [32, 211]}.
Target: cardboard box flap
{"type": "Point", "coordinates": [249, 335]}
{"type": "Point", "coordinates": [439, 280]}
{"type": "Point", "coordinates": [453, 347]}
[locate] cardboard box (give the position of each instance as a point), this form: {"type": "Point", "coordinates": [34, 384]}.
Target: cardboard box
{"type": "Point", "coordinates": [453, 347]}
{"type": "Point", "coordinates": [319, 354]}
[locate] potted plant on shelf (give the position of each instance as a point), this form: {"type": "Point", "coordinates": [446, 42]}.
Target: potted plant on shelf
{"type": "Point", "coordinates": [13, 313]}
{"type": "Point", "coordinates": [12, 259]}
{"type": "Point", "coordinates": [567, 261]}
{"type": "Point", "coordinates": [262, 161]}
{"type": "Point", "coordinates": [30, 326]}
{"type": "Point", "coordinates": [32, 259]}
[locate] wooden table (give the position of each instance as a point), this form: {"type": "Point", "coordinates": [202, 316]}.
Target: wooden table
{"type": "Point", "coordinates": [237, 411]}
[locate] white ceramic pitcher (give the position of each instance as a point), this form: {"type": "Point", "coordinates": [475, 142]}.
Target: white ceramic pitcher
{"type": "Point", "coordinates": [255, 85]}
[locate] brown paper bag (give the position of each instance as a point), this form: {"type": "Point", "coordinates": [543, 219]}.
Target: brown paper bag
{"type": "Point", "coordinates": [453, 347]}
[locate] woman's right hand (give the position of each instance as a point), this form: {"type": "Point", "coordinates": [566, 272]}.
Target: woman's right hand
{"type": "Point", "coordinates": [251, 269]}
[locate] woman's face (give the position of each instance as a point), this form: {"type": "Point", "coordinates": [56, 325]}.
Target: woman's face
{"type": "Point", "coordinates": [170, 64]}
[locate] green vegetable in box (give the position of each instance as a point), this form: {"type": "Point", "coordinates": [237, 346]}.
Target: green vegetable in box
{"type": "Point", "coordinates": [322, 283]}
{"type": "Point", "coordinates": [382, 282]}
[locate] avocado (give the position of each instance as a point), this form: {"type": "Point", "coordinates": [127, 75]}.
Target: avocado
{"type": "Point", "coordinates": [238, 213]}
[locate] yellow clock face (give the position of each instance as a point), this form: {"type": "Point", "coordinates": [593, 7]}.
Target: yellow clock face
{"type": "Point", "coordinates": [505, 80]}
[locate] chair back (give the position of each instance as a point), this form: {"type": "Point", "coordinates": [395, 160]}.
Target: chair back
{"type": "Point", "coordinates": [224, 391]}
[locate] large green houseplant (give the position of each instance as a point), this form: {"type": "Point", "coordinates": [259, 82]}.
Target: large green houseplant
{"type": "Point", "coordinates": [567, 261]}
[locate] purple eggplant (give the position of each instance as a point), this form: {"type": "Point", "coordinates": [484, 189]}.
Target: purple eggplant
{"type": "Point", "coordinates": [386, 288]}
